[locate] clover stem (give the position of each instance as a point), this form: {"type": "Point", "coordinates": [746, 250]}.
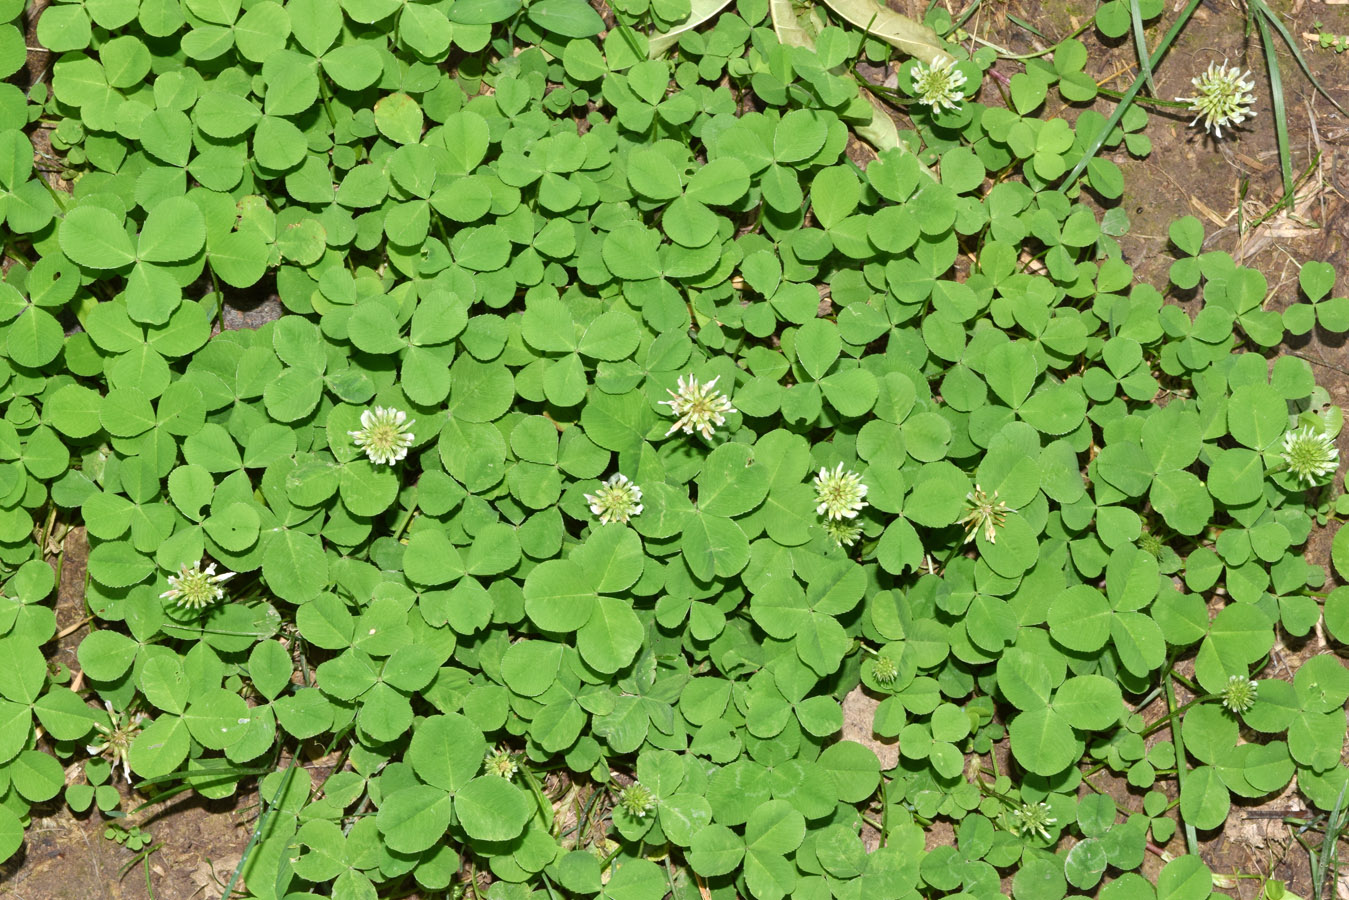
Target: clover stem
{"type": "Point", "coordinates": [544, 806]}
{"type": "Point", "coordinates": [669, 874]}
{"type": "Point", "coordinates": [1162, 722]}
{"type": "Point", "coordinates": [1150, 101]}
{"type": "Point", "coordinates": [332, 120]}
{"type": "Point", "coordinates": [885, 814]}
{"type": "Point", "coordinates": [405, 521]}
{"type": "Point", "coordinates": [1191, 840]}
{"type": "Point", "coordinates": [219, 298]}
{"type": "Point", "coordinates": [548, 883]}
{"type": "Point", "coordinates": [1193, 688]}
{"type": "Point", "coordinates": [609, 857]}
{"type": "Point", "coordinates": [56, 195]}
{"type": "Point", "coordinates": [16, 255]}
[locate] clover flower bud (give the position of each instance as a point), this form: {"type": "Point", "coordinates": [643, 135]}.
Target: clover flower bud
{"type": "Point", "coordinates": [637, 799]}
{"type": "Point", "coordinates": [1239, 694]}
{"type": "Point", "coordinates": [844, 532]}
{"type": "Point", "coordinates": [501, 763]}
{"type": "Point", "coordinates": [884, 670]}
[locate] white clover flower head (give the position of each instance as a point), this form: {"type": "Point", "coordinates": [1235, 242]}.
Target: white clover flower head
{"type": "Point", "coordinates": [1222, 97]}
{"type": "Point", "coordinates": [196, 588]}
{"type": "Point", "coordinates": [939, 85]}
{"type": "Point", "coordinates": [1239, 694]}
{"type": "Point", "coordinates": [501, 763]}
{"type": "Point", "coordinates": [637, 799]}
{"type": "Point", "coordinates": [384, 435]}
{"type": "Point", "coordinates": [1310, 454]}
{"type": "Point", "coordinates": [115, 738]}
{"type": "Point", "coordinates": [1033, 819]}
{"type": "Point", "coordinates": [699, 407]}
{"type": "Point", "coordinates": [615, 500]}
{"type": "Point", "coordinates": [843, 531]}
{"type": "Point", "coordinates": [839, 494]}
{"type": "Point", "coordinates": [983, 511]}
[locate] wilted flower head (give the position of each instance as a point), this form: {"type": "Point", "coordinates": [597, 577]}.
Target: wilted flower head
{"type": "Point", "coordinates": [939, 85]}
{"type": "Point", "coordinates": [383, 434]}
{"type": "Point", "coordinates": [115, 738]}
{"type": "Point", "coordinates": [839, 494]}
{"type": "Point", "coordinates": [1310, 454]}
{"type": "Point", "coordinates": [500, 762]}
{"type": "Point", "coordinates": [983, 511]}
{"type": "Point", "coordinates": [615, 500]}
{"type": "Point", "coordinates": [1222, 97]}
{"type": "Point", "coordinates": [196, 588]}
{"type": "Point", "coordinates": [637, 799]}
{"type": "Point", "coordinates": [1033, 819]}
{"type": "Point", "coordinates": [699, 406]}
{"type": "Point", "coordinates": [1239, 693]}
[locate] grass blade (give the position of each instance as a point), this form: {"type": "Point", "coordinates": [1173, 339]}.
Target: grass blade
{"type": "Point", "coordinates": [1094, 147]}
{"type": "Point", "coordinates": [1026, 26]}
{"type": "Point", "coordinates": [1268, 14]}
{"type": "Point", "coordinates": [1326, 863]}
{"type": "Point", "coordinates": [1278, 111]}
{"type": "Point", "coordinates": [1141, 46]}
{"type": "Point", "coordinates": [263, 818]}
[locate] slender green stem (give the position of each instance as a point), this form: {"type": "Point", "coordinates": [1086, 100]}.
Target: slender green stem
{"type": "Point", "coordinates": [1147, 101]}
{"type": "Point", "coordinates": [405, 521]}
{"type": "Point", "coordinates": [56, 195]}
{"type": "Point", "coordinates": [1190, 685]}
{"type": "Point", "coordinates": [327, 101]}
{"type": "Point", "coordinates": [1191, 839]}
{"type": "Point", "coordinates": [885, 813]}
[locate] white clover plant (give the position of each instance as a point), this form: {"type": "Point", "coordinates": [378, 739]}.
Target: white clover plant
{"type": "Point", "coordinates": [524, 603]}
